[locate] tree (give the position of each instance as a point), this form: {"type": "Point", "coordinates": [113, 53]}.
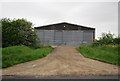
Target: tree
{"type": "Point", "coordinates": [6, 28]}
{"type": "Point", "coordinates": [17, 32]}
{"type": "Point", "coordinates": [107, 38]}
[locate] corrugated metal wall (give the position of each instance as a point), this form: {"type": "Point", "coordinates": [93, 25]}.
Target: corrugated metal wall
{"type": "Point", "coordinates": [65, 37]}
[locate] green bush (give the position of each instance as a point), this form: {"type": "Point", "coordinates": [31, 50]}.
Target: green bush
{"type": "Point", "coordinates": [116, 41]}
{"type": "Point", "coordinates": [19, 54]}
{"type": "Point", "coordinates": [17, 32]}
{"type": "Point", "coordinates": [106, 39]}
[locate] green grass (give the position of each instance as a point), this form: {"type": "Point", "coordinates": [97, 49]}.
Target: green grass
{"type": "Point", "coordinates": [19, 54]}
{"type": "Point", "coordinates": [105, 53]}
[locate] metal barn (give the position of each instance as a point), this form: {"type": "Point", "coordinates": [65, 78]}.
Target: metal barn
{"type": "Point", "coordinates": [65, 34]}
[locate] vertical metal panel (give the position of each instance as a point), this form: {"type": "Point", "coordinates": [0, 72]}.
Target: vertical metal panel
{"type": "Point", "coordinates": [40, 34]}
{"type": "Point", "coordinates": [65, 37]}
{"type": "Point", "coordinates": [49, 37]}
{"type": "Point", "coordinates": [58, 40]}
{"type": "Point", "coordinates": [72, 38]}
{"type": "Point", "coordinates": [87, 37]}
{"type": "Point", "coordinates": [77, 37]}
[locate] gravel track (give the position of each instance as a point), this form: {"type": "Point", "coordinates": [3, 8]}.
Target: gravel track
{"type": "Point", "coordinates": [64, 60]}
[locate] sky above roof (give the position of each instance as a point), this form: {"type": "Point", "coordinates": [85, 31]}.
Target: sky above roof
{"type": "Point", "coordinates": [103, 16]}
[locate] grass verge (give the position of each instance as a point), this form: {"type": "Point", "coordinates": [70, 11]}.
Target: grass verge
{"type": "Point", "coordinates": [105, 53]}
{"type": "Point", "coordinates": [19, 54]}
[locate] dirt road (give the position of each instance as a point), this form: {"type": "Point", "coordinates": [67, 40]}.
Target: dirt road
{"type": "Point", "coordinates": [62, 61]}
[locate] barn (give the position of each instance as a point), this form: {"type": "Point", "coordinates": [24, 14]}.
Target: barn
{"type": "Point", "coordinates": [65, 34]}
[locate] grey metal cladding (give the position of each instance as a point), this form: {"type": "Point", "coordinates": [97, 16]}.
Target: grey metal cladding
{"type": "Point", "coordinates": [63, 37]}
{"type": "Point", "coordinates": [87, 37]}
{"type": "Point", "coordinates": [40, 34]}
{"type": "Point", "coordinates": [67, 37]}
{"type": "Point", "coordinates": [58, 40]}
{"type": "Point", "coordinates": [49, 37]}
{"type": "Point", "coordinates": [65, 34]}
{"type": "Point", "coordinates": [74, 37]}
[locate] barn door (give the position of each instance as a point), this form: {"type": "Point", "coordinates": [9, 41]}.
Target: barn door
{"type": "Point", "coordinates": [58, 37]}
{"type": "Point", "coordinates": [77, 37]}
{"type": "Point", "coordinates": [67, 39]}
{"type": "Point", "coordinates": [72, 37]}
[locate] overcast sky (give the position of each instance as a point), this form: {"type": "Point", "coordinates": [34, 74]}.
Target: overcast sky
{"type": "Point", "coordinates": [100, 15]}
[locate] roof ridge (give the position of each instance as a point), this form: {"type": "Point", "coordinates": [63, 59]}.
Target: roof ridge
{"type": "Point", "coordinates": [65, 23]}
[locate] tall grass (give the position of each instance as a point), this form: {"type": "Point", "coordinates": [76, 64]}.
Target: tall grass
{"type": "Point", "coordinates": [105, 53]}
{"type": "Point", "coordinates": [19, 54]}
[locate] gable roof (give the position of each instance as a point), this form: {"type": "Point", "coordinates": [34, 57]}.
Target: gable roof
{"type": "Point", "coordinates": [63, 23]}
